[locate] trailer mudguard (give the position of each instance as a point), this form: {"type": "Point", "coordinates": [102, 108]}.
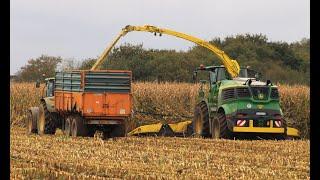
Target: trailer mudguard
{"type": "Point", "coordinates": [49, 103]}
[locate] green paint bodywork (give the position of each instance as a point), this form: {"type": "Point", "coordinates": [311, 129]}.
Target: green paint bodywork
{"type": "Point", "coordinates": [214, 101]}
{"type": "Point", "coordinates": [241, 103]}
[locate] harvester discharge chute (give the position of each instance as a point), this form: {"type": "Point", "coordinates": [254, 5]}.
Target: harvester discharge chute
{"type": "Point", "coordinates": [231, 65]}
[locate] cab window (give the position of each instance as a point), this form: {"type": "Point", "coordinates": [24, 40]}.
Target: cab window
{"type": "Point", "coordinates": [50, 87]}
{"type": "Point", "coordinates": [213, 76]}
{"type": "Point", "coordinates": [243, 73]}
{"type": "Point", "coordinates": [222, 74]}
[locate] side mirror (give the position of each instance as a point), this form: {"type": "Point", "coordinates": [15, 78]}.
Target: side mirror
{"type": "Point", "coordinates": [194, 76]}
{"type": "Point", "coordinates": [37, 84]}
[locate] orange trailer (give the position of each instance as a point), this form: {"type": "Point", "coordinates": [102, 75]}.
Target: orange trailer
{"type": "Point", "coordinates": [84, 101]}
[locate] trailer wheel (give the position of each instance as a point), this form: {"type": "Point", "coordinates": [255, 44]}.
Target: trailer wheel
{"type": "Point", "coordinates": [200, 121]}
{"type": "Point", "coordinates": [32, 122]}
{"type": "Point", "coordinates": [118, 131]}
{"type": "Point", "coordinates": [91, 131]}
{"type": "Point", "coordinates": [46, 124]}
{"type": "Point", "coordinates": [67, 126]}
{"type": "Point", "coordinates": [219, 127]}
{"type": "Point", "coordinates": [78, 128]}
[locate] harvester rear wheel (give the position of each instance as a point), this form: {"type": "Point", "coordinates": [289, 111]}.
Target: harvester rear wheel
{"type": "Point", "coordinates": [46, 123]}
{"type": "Point", "coordinates": [78, 128]}
{"type": "Point", "coordinates": [220, 127]}
{"type": "Point", "coordinates": [31, 123]}
{"type": "Point", "coordinates": [200, 121]}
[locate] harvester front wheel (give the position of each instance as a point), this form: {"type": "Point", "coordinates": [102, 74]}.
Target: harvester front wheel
{"type": "Point", "coordinates": [200, 121]}
{"type": "Point", "coordinates": [78, 128]}
{"type": "Point", "coordinates": [219, 127]}
{"type": "Point", "coordinates": [46, 124]}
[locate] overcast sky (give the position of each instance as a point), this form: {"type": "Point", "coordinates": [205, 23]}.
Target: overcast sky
{"type": "Point", "coordinates": [80, 29]}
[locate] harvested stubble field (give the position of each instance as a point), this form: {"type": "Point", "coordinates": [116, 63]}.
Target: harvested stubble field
{"type": "Point", "coordinates": [50, 157]}
{"type": "Point", "coordinates": [59, 156]}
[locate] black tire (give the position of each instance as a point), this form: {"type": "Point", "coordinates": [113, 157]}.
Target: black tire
{"type": "Point", "coordinates": [200, 121]}
{"type": "Point", "coordinates": [90, 131]}
{"type": "Point", "coordinates": [118, 131]}
{"type": "Point", "coordinates": [57, 119]}
{"type": "Point", "coordinates": [106, 134]}
{"type": "Point", "coordinates": [220, 127]}
{"type": "Point", "coordinates": [189, 130]}
{"type": "Point", "coordinates": [46, 123]}
{"type": "Point", "coordinates": [78, 128]}
{"type": "Point", "coordinates": [67, 126]}
{"type": "Point", "coordinates": [31, 123]}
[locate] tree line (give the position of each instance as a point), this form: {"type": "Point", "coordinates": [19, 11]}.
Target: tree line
{"type": "Point", "coordinates": [281, 62]}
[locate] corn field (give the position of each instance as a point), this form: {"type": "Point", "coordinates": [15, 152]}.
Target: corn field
{"type": "Point", "coordinates": [169, 102]}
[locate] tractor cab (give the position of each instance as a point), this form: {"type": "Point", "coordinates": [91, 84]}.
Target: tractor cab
{"type": "Point", "coordinates": [47, 93]}
{"type": "Point", "coordinates": [48, 89]}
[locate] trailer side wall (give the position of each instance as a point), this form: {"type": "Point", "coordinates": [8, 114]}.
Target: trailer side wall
{"type": "Point", "coordinates": [94, 94]}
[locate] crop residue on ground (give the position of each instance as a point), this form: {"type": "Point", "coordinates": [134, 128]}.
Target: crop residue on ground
{"type": "Point", "coordinates": [155, 157]}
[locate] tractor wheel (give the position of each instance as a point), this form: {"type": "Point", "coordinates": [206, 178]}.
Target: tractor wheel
{"type": "Point", "coordinates": [200, 121]}
{"type": "Point", "coordinates": [118, 131]}
{"type": "Point", "coordinates": [31, 122]}
{"type": "Point", "coordinates": [220, 127]}
{"type": "Point", "coordinates": [46, 123]}
{"type": "Point", "coordinates": [67, 126]}
{"type": "Point", "coordinates": [78, 128]}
